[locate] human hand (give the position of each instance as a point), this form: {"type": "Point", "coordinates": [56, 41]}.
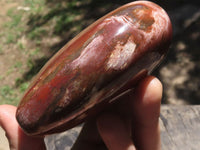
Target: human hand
{"type": "Point", "coordinates": [17, 139]}
{"type": "Point", "coordinates": [129, 124]}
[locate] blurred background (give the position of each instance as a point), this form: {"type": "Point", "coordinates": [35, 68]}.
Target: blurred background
{"type": "Point", "coordinates": [32, 31]}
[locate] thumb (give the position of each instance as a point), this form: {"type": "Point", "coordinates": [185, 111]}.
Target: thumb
{"type": "Point", "coordinates": [17, 139]}
{"type": "Point", "coordinates": [9, 124]}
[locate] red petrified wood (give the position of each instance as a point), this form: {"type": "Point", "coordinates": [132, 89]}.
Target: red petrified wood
{"type": "Point", "coordinates": [95, 67]}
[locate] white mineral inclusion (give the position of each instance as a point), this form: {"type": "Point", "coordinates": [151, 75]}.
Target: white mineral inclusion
{"type": "Point", "coordinates": [121, 55]}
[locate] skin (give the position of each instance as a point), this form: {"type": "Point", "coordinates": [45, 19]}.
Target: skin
{"type": "Point", "coordinates": [129, 124]}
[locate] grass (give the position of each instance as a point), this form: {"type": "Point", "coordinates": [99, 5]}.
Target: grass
{"type": "Point", "coordinates": [18, 64]}
{"type": "Point", "coordinates": [37, 34]}
{"type": "Point", "coordinates": [13, 36]}
{"type": "Point", "coordinates": [14, 26]}
{"type": "Point", "coordinates": [8, 95]}
{"type": "Point", "coordinates": [21, 46]}
{"type": "Point", "coordinates": [1, 50]}
{"type": "Point", "coordinates": [15, 18]}
{"type": "Point", "coordinates": [1, 77]}
{"type": "Point", "coordinates": [36, 6]}
{"type": "Point", "coordinates": [35, 52]}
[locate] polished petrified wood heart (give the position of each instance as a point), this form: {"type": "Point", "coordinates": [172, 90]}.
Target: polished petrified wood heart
{"type": "Point", "coordinates": [92, 69]}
